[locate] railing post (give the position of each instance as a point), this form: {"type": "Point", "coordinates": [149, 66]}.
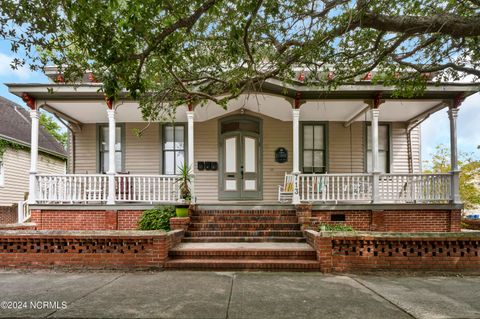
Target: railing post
{"type": "Point", "coordinates": [191, 150]}
{"type": "Point", "coordinates": [111, 154]}
{"type": "Point", "coordinates": [455, 188]}
{"type": "Point", "coordinates": [375, 187]}
{"type": "Point", "coordinates": [296, 150]}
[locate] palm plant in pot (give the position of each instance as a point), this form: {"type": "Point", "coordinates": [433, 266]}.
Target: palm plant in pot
{"type": "Point", "coordinates": [184, 180]}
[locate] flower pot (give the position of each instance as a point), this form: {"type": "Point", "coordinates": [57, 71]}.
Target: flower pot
{"type": "Point", "coordinates": [181, 211]}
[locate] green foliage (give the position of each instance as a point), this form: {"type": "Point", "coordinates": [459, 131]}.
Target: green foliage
{"type": "Point", "coordinates": [334, 227]}
{"type": "Point", "coordinates": [470, 173]}
{"type": "Point", "coordinates": [157, 218]}
{"type": "Point", "coordinates": [4, 145]}
{"type": "Point", "coordinates": [166, 53]}
{"type": "Point", "coordinates": [184, 181]}
{"type": "Point", "coordinates": [52, 127]}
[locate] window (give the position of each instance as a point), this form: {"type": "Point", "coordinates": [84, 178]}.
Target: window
{"type": "Point", "coordinates": [173, 148]}
{"type": "Point", "coordinates": [383, 148]}
{"type": "Point", "coordinates": [104, 144]}
{"type": "Point", "coordinates": [313, 145]}
{"type": "Point", "coordinates": [2, 173]}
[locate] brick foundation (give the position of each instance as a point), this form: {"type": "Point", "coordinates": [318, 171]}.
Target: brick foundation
{"type": "Point", "coordinates": [8, 214]}
{"type": "Point", "coordinates": [389, 220]}
{"type": "Point", "coordinates": [86, 219]}
{"type": "Point", "coordinates": [396, 251]}
{"type": "Point", "coordinates": [181, 223]}
{"type": "Point", "coordinates": [125, 250]}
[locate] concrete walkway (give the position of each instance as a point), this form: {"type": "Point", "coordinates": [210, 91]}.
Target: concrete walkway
{"type": "Point", "coordinates": [236, 295]}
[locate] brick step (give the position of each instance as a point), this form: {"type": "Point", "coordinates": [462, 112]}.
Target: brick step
{"type": "Point", "coordinates": [243, 264]}
{"type": "Point", "coordinates": [243, 226]}
{"type": "Point", "coordinates": [245, 233]}
{"type": "Point", "coordinates": [244, 213]}
{"type": "Point", "coordinates": [237, 239]}
{"type": "Point", "coordinates": [243, 254]}
{"type": "Point", "coordinates": [243, 219]}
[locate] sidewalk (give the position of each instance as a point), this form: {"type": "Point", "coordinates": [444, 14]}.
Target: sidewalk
{"type": "Point", "coordinates": [172, 294]}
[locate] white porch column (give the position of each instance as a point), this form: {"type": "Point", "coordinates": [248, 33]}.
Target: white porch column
{"type": "Point", "coordinates": [296, 152]}
{"type": "Point", "coordinates": [375, 113]}
{"type": "Point", "coordinates": [455, 186]}
{"type": "Point", "coordinates": [32, 189]}
{"type": "Point", "coordinates": [111, 156]}
{"type": "Point", "coordinates": [191, 149]}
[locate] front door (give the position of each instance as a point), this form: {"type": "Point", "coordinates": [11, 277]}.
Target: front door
{"type": "Point", "coordinates": [240, 160]}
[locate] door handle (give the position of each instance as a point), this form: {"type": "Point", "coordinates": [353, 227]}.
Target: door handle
{"type": "Point", "coordinates": [241, 171]}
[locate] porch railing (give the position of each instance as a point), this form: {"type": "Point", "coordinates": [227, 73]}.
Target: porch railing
{"type": "Point", "coordinates": [416, 188]}
{"type": "Point", "coordinates": [392, 188]}
{"type": "Point", "coordinates": [335, 187]}
{"type": "Point", "coordinates": [72, 188]}
{"type": "Point", "coordinates": [93, 188]}
{"type": "Point", "coordinates": [147, 188]}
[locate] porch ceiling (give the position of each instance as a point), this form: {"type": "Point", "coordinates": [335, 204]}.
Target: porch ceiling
{"type": "Point", "coordinates": [94, 111]}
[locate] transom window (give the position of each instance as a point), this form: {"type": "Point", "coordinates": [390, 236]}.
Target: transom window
{"type": "Point", "coordinates": [104, 148]}
{"type": "Point", "coordinates": [383, 148]}
{"type": "Point", "coordinates": [314, 148]}
{"type": "Point", "coordinates": [173, 148]}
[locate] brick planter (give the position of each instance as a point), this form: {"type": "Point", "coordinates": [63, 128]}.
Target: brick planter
{"type": "Point", "coordinates": [180, 223]}
{"type": "Point", "coordinates": [122, 250]}
{"type": "Point", "coordinates": [350, 251]}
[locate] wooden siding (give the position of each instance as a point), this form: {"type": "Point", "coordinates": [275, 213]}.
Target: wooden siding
{"type": "Point", "coordinates": [346, 147]}
{"type": "Point", "coordinates": [400, 150]}
{"type": "Point", "coordinates": [17, 167]}
{"type": "Point", "coordinates": [142, 154]}
{"type": "Point", "coordinates": [86, 150]}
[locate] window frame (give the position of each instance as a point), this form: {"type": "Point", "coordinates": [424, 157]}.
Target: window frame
{"type": "Point", "coordinates": [122, 151]}
{"type": "Point", "coordinates": [185, 144]}
{"type": "Point", "coordinates": [325, 143]}
{"type": "Point", "coordinates": [390, 143]}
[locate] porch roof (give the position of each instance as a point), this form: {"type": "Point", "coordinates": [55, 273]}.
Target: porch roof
{"type": "Point", "coordinates": [83, 103]}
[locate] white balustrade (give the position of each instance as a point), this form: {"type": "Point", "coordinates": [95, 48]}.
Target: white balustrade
{"type": "Point", "coordinates": [147, 188]}
{"type": "Point", "coordinates": [393, 188]}
{"type": "Point", "coordinates": [72, 188]}
{"type": "Point", "coordinates": [415, 188]}
{"type": "Point", "coordinates": [335, 187]}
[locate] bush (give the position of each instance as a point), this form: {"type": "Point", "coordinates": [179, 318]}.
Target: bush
{"type": "Point", "coordinates": [335, 227]}
{"type": "Point", "coordinates": [157, 218]}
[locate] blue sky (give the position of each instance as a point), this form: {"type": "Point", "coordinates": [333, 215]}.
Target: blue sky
{"type": "Point", "coordinates": [435, 130]}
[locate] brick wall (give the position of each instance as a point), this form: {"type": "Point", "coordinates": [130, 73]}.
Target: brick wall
{"type": "Point", "coordinates": [126, 250]}
{"type": "Point", "coordinates": [86, 219]}
{"type": "Point", "coordinates": [8, 214]}
{"type": "Point", "coordinates": [396, 251]}
{"type": "Point", "coordinates": [393, 220]}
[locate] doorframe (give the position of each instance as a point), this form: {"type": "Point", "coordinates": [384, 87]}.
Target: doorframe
{"type": "Point", "coordinates": [233, 118]}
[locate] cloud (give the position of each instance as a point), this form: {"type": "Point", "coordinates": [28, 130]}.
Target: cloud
{"type": "Point", "coordinates": [6, 71]}
{"type": "Point", "coordinates": [436, 129]}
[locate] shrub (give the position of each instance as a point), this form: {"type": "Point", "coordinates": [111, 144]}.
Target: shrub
{"type": "Point", "coordinates": [157, 218]}
{"type": "Point", "coordinates": [335, 227]}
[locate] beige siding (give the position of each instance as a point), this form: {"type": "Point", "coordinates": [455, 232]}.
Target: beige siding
{"type": "Point", "coordinates": [86, 150]}
{"type": "Point", "coordinates": [346, 147]}
{"type": "Point", "coordinates": [142, 154]}
{"type": "Point", "coordinates": [400, 149]}
{"type": "Point", "coordinates": [206, 149]}
{"type": "Point", "coordinates": [16, 167]}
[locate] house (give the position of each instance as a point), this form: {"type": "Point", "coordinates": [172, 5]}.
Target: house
{"type": "Point", "coordinates": [352, 155]}
{"type": "Point", "coordinates": [15, 145]}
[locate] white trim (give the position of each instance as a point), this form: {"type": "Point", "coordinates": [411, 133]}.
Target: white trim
{"type": "Point", "coordinates": [2, 171]}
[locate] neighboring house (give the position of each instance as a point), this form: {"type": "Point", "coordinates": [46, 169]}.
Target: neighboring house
{"type": "Point", "coordinates": [353, 153]}
{"type": "Point", "coordinates": [15, 134]}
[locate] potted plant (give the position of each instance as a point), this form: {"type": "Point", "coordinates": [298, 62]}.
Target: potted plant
{"type": "Point", "coordinates": [185, 193]}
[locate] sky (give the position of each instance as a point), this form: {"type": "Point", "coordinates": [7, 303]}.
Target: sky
{"type": "Point", "coordinates": [435, 130]}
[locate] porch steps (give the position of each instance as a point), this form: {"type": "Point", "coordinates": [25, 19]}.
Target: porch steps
{"type": "Point", "coordinates": [243, 239]}
{"type": "Point", "coordinates": [243, 256]}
